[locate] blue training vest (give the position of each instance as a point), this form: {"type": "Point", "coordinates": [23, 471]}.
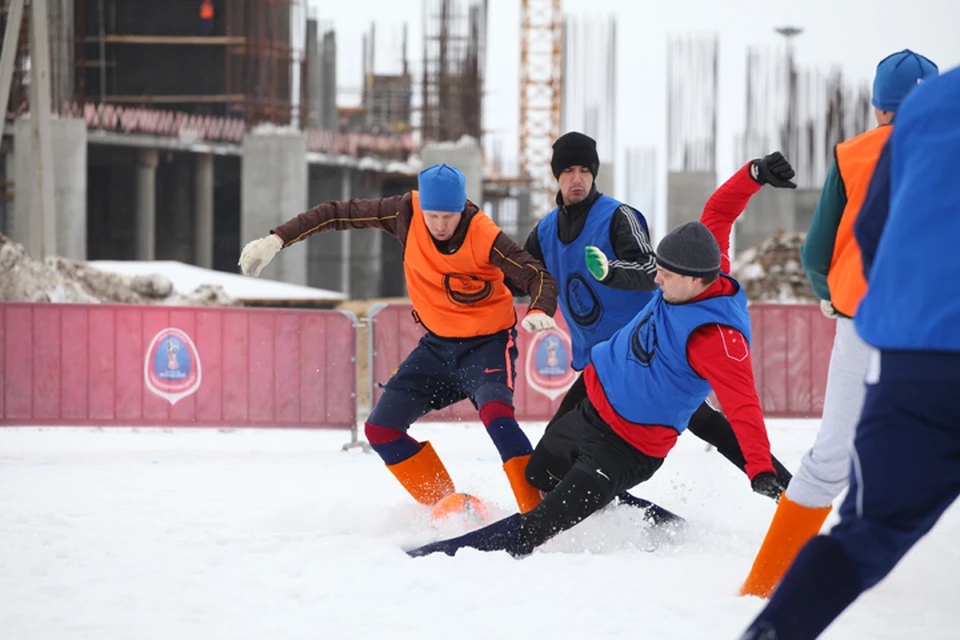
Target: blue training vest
{"type": "Point", "coordinates": [643, 368]}
{"type": "Point", "coordinates": [913, 299]}
{"type": "Point", "coordinates": [593, 311]}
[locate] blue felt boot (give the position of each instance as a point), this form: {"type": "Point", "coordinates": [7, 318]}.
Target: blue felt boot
{"type": "Point", "coordinates": [654, 513]}
{"type": "Point", "coordinates": [503, 535]}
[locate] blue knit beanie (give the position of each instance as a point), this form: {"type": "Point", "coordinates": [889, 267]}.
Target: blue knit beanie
{"type": "Point", "coordinates": [443, 188]}
{"type": "Point", "coordinates": [897, 74]}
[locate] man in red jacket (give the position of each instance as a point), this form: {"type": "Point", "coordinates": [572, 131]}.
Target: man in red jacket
{"type": "Point", "coordinates": [647, 380]}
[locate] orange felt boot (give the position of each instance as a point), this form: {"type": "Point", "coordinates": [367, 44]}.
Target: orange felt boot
{"type": "Point", "coordinates": [793, 525]}
{"type": "Point", "coordinates": [527, 495]}
{"type": "Point", "coordinates": [424, 476]}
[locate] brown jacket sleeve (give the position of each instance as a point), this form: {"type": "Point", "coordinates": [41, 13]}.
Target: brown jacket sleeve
{"type": "Point", "coordinates": [526, 274]}
{"type": "Point", "coordinates": [391, 214]}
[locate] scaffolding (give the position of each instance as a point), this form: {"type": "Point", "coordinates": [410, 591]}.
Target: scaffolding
{"type": "Point", "coordinates": [692, 99]}
{"type": "Point", "coordinates": [240, 64]}
{"type": "Point", "coordinates": [541, 71]}
{"type": "Point", "coordinates": [454, 46]}
{"type": "Point", "coordinates": [61, 38]}
{"type": "Point", "coordinates": [19, 101]}
{"type": "Point", "coordinates": [802, 112]}
{"type": "Point", "coordinates": [387, 98]}
{"type": "Point", "coordinates": [590, 81]}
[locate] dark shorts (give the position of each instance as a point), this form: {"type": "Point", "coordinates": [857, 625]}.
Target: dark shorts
{"type": "Point", "coordinates": [443, 371]}
{"type": "Point", "coordinates": [582, 440]}
{"type": "Point", "coordinates": [582, 465]}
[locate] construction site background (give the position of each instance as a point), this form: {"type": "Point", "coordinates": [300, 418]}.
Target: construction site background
{"type": "Point", "coordinates": [194, 128]}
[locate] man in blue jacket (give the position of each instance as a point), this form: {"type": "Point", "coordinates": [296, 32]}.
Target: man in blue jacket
{"type": "Point", "coordinates": [598, 249]}
{"type": "Point", "coordinates": [906, 459]}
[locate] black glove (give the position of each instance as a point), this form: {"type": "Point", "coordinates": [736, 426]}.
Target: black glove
{"type": "Point", "coordinates": [768, 484]}
{"type": "Point", "coordinates": [774, 170]}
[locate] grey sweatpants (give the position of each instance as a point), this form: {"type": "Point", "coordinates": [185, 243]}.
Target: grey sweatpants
{"type": "Point", "coordinates": [825, 469]}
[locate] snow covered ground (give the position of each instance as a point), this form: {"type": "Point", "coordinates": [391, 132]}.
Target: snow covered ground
{"type": "Point", "coordinates": [130, 534]}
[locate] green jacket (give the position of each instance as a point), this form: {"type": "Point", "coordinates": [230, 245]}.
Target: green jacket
{"type": "Point", "coordinates": [816, 253]}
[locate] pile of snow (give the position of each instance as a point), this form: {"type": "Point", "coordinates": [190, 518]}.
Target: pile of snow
{"type": "Point", "coordinates": [56, 279]}
{"type": "Point", "coordinates": [188, 277]}
{"type": "Point", "coordinates": [772, 272]}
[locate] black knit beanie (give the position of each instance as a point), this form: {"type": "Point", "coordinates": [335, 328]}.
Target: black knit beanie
{"type": "Point", "coordinates": [690, 250]}
{"type": "Point", "coordinates": [575, 149]}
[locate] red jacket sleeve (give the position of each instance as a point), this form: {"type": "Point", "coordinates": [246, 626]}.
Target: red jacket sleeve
{"type": "Point", "coordinates": [721, 355]}
{"type": "Point", "coordinates": [725, 206]}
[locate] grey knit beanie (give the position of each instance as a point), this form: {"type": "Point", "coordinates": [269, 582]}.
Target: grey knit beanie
{"type": "Point", "coordinates": [690, 250]}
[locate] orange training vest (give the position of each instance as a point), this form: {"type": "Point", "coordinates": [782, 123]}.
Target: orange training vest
{"type": "Point", "coordinates": [206, 11]}
{"type": "Point", "coordinates": [461, 295]}
{"type": "Point", "coordinates": [856, 160]}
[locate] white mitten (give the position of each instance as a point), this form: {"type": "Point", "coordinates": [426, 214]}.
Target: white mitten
{"type": "Point", "coordinates": [538, 321]}
{"type": "Point", "coordinates": [258, 254]}
{"type": "Point", "coordinates": [827, 308]}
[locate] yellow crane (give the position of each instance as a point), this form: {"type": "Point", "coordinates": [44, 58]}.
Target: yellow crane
{"type": "Point", "coordinates": [541, 72]}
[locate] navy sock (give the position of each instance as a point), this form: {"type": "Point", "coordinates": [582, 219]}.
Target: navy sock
{"type": "Point", "coordinates": [508, 438]}
{"type": "Point", "coordinates": [654, 513]}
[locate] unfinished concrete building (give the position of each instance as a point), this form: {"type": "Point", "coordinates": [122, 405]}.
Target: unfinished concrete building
{"type": "Point", "coordinates": [186, 128]}
{"type": "Point", "coordinates": [804, 113]}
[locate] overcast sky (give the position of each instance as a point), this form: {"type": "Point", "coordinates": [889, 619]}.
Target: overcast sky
{"type": "Point", "coordinates": [851, 33]}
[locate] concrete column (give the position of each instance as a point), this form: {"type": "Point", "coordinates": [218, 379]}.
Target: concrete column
{"type": "Point", "coordinates": [772, 210]}
{"type": "Point", "coordinates": [526, 221]}
{"type": "Point", "coordinates": [329, 117]}
{"type": "Point", "coordinates": [18, 222]}
{"type": "Point", "coordinates": [687, 192]}
{"type": "Point", "coordinates": [146, 204]}
{"type": "Point", "coordinates": [70, 186]}
{"type": "Point", "coordinates": [769, 209]}
{"type": "Point", "coordinates": [314, 72]}
{"type": "Point", "coordinates": [465, 155]}
{"type": "Point", "coordinates": [203, 211]}
{"type": "Point", "coordinates": [274, 182]}
{"type": "Point", "coordinates": [69, 161]}
{"type": "Point", "coordinates": [605, 180]}
{"type": "Point", "coordinates": [366, 245]}
{"type": "Point", "coordinates": [805, 205]}
{"type": "Point", "coordinates": [9, 171]}
{"type": "Point", "coordinates": [325, 263]}
{"type": "Point", "coordinates": [345, 194]}
{"type": "Point", "coordinates": [175, 195]}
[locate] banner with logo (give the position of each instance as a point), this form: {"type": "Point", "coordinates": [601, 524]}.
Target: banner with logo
{"type": "Point", "coordinates": [139, 365]}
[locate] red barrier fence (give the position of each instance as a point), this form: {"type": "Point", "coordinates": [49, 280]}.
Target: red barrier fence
{"type": "Point", "coordinates": [75, 364]}
{"type": "Point", "coordinates": [175, 366]}
{"type": "Point", "coordinates": [791, 354]}
{"type": "Point", "coordinates": [790, 350]}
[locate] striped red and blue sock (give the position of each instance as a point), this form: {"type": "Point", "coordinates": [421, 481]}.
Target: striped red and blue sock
{"type": "Point", "coordinates": [392, 445]}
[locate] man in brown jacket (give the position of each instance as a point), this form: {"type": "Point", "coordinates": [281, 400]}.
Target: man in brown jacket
{"type": "Point", "coordinates": [455, 260]}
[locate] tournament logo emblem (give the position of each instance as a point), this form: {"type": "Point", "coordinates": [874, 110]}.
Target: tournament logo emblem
{"type": "Point", "coordinates": [644, 342]}
{"type": "Point", "coordinates": [549, 363]}
{"type": "Point", "coordinates": [582, 302]}
{"type": "Point", "coordinates": [172, 366]}
{"type": "Point", "coordinates": [465, 288]}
